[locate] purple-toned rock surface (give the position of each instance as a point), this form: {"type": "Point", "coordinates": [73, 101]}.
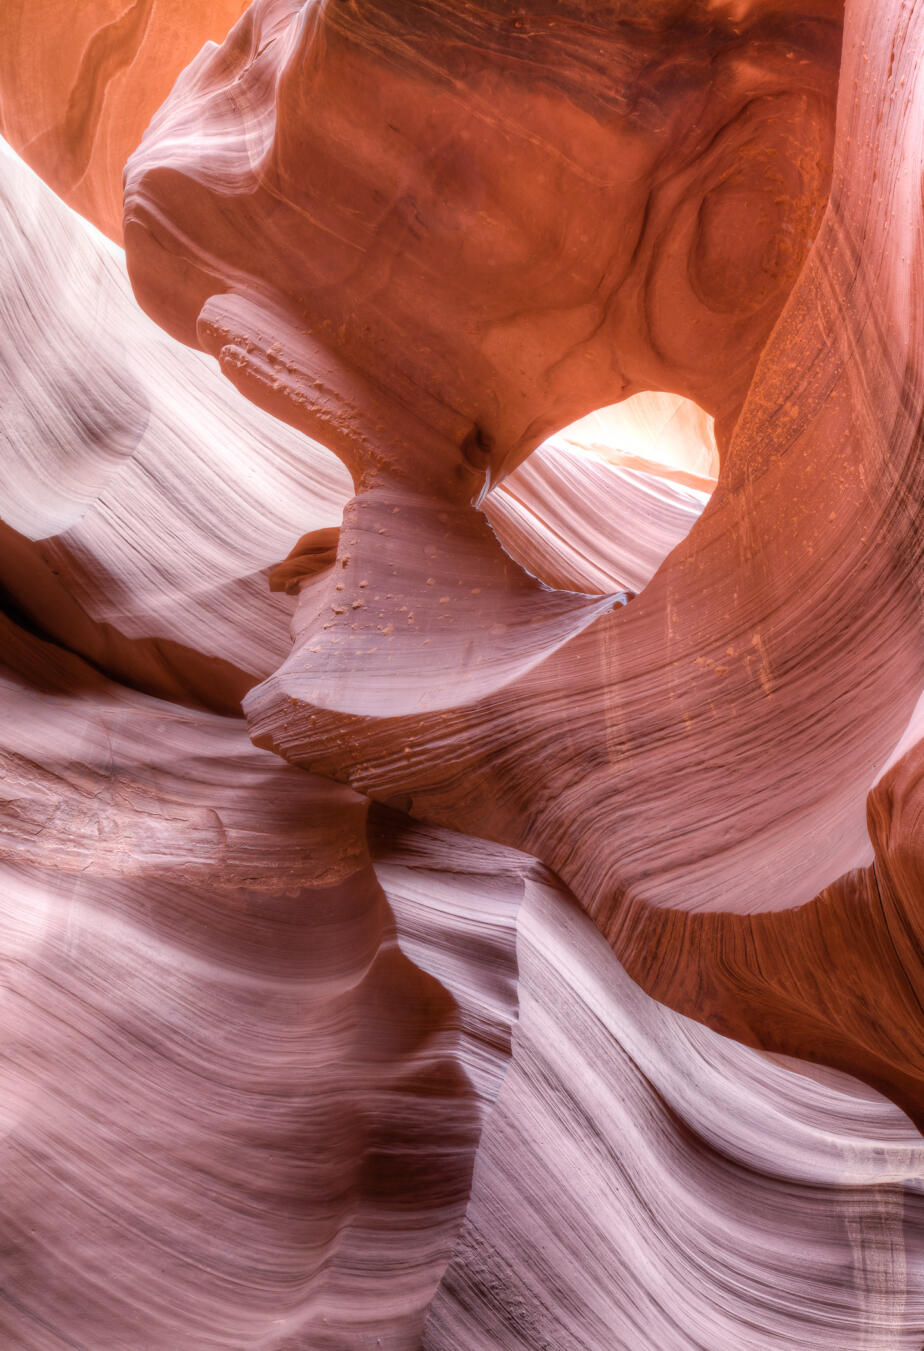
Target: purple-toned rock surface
{"type": "Point", "coordinates": [563, 991]}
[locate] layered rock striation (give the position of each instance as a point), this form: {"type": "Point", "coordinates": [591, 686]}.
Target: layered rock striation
{"type": "Point", "coordinates": [552, 996]}
{"type": "Point", "coordinates": [705, 752]}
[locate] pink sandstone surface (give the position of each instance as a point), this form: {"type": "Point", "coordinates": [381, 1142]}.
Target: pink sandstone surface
{"type": "Point", "coordinates": [563, 992]}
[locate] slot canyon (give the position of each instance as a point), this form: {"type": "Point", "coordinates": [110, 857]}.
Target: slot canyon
{"type": "Point", "coordinates": [462, 562]}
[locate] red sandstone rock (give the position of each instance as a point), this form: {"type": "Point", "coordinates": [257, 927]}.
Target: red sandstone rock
{"type": "Point", "coordinates": [235, 1112]}
{"type": "Point", "coordinates": [244, 1089]}
{"type": "Point", "coordinates": [433, 246]}
{"type": "Point", "coordinates": [432, 313]}
{"type": "Point", "coordinates": [79, 84]}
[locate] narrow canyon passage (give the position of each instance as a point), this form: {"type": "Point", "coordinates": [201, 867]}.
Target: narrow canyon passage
{"type": "Point", "coordinates": [462, 835]}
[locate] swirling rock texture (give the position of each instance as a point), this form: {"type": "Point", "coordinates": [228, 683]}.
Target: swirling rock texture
{"type": "Point", "coordinates": [289, 1061]}
{"type": "Point", "coordinates": [78, 85]}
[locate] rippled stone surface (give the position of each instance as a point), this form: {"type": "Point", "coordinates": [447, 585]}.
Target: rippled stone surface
{"type": "Point", "coordinates": [79, 84]}
{"type": "Point", "coordinates": [595, 649]}
{"type": "Point", "coordinates": [709, 747]}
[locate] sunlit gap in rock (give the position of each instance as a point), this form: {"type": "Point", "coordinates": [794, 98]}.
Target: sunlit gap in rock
{"type": "Point", "coordinates": [599, 506]}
